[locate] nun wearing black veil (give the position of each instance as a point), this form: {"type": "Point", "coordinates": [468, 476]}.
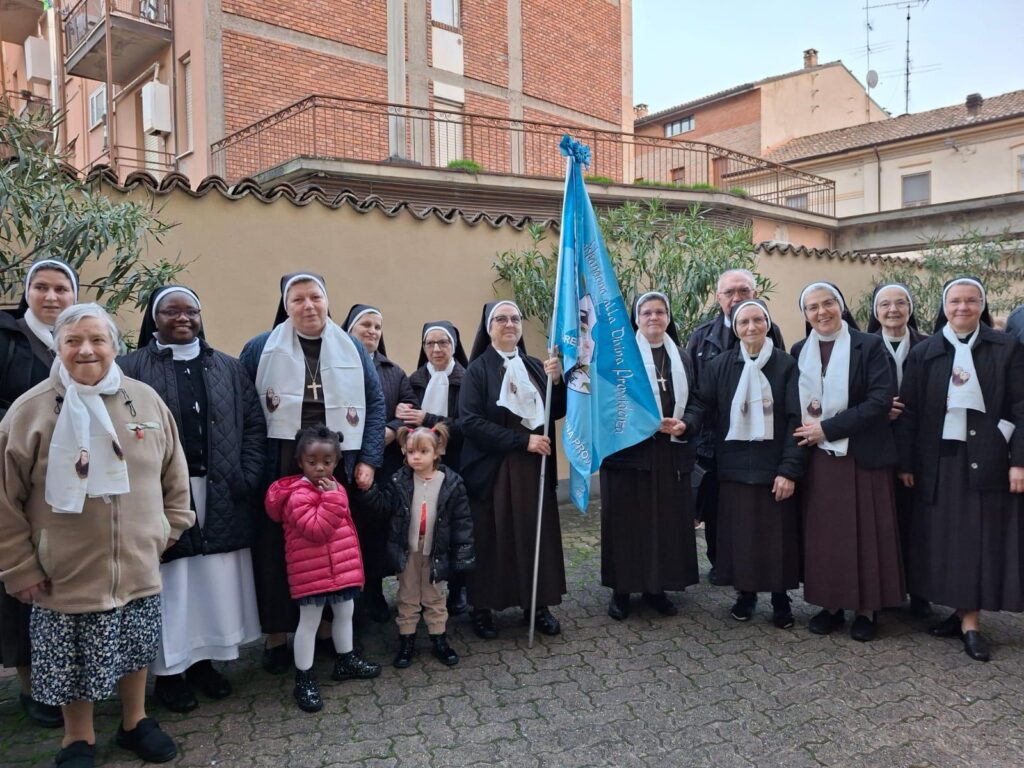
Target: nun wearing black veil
{"type": "Point", "coordinates": [501, 409]}
{"type": "Point", "coordinates": [208, 603]}
{"type": "Point", "coordinates": [307, 371]}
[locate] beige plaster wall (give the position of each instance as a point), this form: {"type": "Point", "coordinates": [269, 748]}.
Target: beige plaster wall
{"type": "Point", "coordinates": [811, 102]}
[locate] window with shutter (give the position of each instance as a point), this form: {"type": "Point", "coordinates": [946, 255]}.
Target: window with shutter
{"type": "Point", "coordinates": [917, 189]}
{"type": "Point", "coordinates": [447, 133]}
{"type": "Point", "coordinates": [186, 71]}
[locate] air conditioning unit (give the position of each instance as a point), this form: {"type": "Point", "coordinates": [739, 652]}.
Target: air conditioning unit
{"type": "Point", "coordinates": [156, 108]}
{"type": "Point", "coordinates": [37, 61]}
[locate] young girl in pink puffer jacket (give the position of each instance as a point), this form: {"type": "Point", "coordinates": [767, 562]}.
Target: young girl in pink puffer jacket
{"type": "Point", "coordinates": [321, 549]}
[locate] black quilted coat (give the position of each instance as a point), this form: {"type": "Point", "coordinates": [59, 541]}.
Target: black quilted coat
{"type": "Point", "coordinates": [452, 550]}
{"type": "Point", "coordinates": [237, 449]}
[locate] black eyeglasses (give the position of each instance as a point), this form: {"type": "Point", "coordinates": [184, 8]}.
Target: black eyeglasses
{"type": "Point", "coordinates": [190, 313]}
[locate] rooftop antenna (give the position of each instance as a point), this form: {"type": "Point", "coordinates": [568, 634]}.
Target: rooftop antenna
{"type": "Point", "coordinates": [908, 4]}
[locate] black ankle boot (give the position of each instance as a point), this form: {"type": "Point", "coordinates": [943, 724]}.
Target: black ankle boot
{"type": "Point", "coordinates": [351, 666]}
{"type": "Point", "coordinates": [406, 650]}
{"type": "Point", "coordinates": [307, 692]}
{"type": "Point", "coordinates": [442, 651]}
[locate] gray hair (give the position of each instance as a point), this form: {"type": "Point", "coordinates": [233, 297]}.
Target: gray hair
{"type": "Point", "coordinates": [744, 272]}
{"type": "Point", "coordinates": [74, 314]}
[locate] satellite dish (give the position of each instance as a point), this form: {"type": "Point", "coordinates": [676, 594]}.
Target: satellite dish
{"type": "Point", "coordinates": [872, 78]}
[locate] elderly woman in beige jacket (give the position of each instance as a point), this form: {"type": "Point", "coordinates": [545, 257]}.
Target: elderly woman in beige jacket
{"type": "Point", "coordinates": [94, 488]}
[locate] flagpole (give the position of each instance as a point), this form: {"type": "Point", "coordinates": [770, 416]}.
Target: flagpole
{"type": "Point", "coordinates": [547, 418]}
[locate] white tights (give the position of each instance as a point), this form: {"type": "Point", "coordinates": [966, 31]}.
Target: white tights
{"type": "Point", "coordinates": [309, 621]}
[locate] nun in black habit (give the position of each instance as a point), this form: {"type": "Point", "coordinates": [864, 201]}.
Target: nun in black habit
{"type": "Point", "coordinates": [307, 371]}
{"type": "Point", "coordinates": [961, 444]}
{"type": "Point", "coordinates": [501, 408]}
{"type": "Point", "coordinates": [647, 538]}
{"type": "Point", "coordinates": [751, 398]}
{"type": "Point", "coordinates": [365, 324]}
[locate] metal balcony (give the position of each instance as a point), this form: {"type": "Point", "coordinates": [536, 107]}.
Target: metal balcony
{"type": "Point", "coordinates": [18, 19]}
{"type": "Point", "coordinates": [138, 31]}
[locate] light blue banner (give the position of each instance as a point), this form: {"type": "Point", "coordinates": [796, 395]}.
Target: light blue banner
{"type": "Point", "coordinates": [610, 402]}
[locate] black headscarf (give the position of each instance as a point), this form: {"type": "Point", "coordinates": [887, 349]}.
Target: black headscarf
{"type": "Point", "coordinates": [358, 309]}
{"type": "Point", "coordinates": [482, 340]}
{"type": "Point", "coordinates": [148, 328]}
{"type": "Point", "coordinates": [458, 353]}
{"type": "Point", "coordinates": [940, 319]}
{"type": "Point", "coordinates": [57, 264]}
{"type": "Point", "coordinates": [282, 311]}
{"type": "Point", "coordinates": [648, 296]}
{"type": "Point", "coordinates": [874, 326]}
{"type": "Point", "coordinates": [846, 315]}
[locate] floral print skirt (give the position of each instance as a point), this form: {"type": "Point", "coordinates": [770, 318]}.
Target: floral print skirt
{"type": "Point", "coordinates": [82, 656]}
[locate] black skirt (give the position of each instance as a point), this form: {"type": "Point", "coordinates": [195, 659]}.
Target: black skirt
{"type": "Point", "coordinates": [968, 547]}
{"type": "Point", "coordinates": [758, 539]}
{"type": "Point", "coordinates": [647, 538]}
{"type": "Point", "coordinates": [15, 648]}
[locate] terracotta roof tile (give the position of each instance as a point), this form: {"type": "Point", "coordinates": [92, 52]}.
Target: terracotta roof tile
{"type": "Point", "coordinates": [900, 128]}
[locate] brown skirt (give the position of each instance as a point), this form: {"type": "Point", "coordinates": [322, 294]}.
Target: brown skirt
{"type": "Point", "coordinates": [851, 542]}
{"type": "Point", "coordinates": [647, 539]}
{"type": "Point", "coordinates": [504, 536]}
{"type": "Point", "coordinates": [968, 547]}
{"type": "Point", "coordinates": [758, 539]}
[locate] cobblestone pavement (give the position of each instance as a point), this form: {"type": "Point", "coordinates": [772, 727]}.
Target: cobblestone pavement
{"type": "Point", "coordinates": [698, 689]}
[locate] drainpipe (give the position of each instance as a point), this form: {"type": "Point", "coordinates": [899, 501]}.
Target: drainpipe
{"type": "Point", "coordinates": [878, 181]}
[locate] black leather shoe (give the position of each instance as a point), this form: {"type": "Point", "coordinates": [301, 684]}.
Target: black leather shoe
{"type": "Point", "coordinates": [661, 604]}
{"type": "Point", "coordinates": [352, 666]}
{"type": "Point", "coordinates": [442, 651]}
{"type": "Point", "coordinates": [147, 741]}
{"type": "Point", "coordinates": [456, 601]}
{"type": "Point", "coordinates": [545, 623]}
{"type": "Point", "coordinates": [782, 617]}
{"type": "Point", "coordinates": [483, 624]}
{"type": "Point", "coordinates": [406, 650]}
{"type": "Point", "coordinates": [950, 627]}
{"type": "Point", "coordinates": [307, 692]}
{"type": "Point", "coordinates": [277, 660]}
{"type": "Point", "coordinates": [863, 629]}
{"type": "Point", "coordinates": [975, 645]}
{"type": "Point", "coordinates": [77, 754]}
{"type": "Point", "coordinates": [618, 608]}
{"type": "Point", "coordinates": [174, 693]}
{"type": "Point", "coordinates": [825, 622]}
{"type": "Point", "coordinates": [45, 715]}
{"type": "Point", "coordinates": [208, 681]}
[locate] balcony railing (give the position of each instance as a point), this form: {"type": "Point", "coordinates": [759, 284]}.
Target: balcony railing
{"type": "Point", "coordinates": [139, 29]}
{"type": "Point", "coordinates": [330, 128]}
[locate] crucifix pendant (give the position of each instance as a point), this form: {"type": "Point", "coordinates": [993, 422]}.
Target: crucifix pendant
{"type": "Point", "coordinates": [662, 381]}
{"type": "Point", "coordinates": [315, 389]}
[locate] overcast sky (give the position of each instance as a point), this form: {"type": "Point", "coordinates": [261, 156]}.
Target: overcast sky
{"type": "Point", "coordinates": [685, 49]}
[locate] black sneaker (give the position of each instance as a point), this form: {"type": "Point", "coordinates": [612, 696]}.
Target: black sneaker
{"type": "Point", "coordinates": [618, 608]}
{"type": "Point", "coordinates": [306, 691]}
{"type": "Point", "coordinates": [825, 622]}
{"type": "Point", "coordinates": [782, 613]}
{"type": "Point", "coordinates": [350, 666]}
{"type": "Point", "coordinates": [442, 651]}
{"type": "Point", "coordinates": [545, 622]}
{"type": "Point", "coordinates": [743, 610]}
{"type": "Point", "coordinates": [44, 715]}
{"type": "Point", "coordinates": [208, 680]}
{"type": "Point", "coordinates": [174, 693]}
{"type": "Point", "coordinates": [147, 741]}
{"type": "Point", "coordinates": [77, 754]}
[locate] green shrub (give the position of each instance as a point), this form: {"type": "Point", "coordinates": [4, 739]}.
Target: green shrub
{"type": "Point", "coordinates": [469, 166]}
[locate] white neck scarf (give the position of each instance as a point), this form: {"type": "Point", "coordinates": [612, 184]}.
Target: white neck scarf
{"type": "Point", "coordinates": [281, 383]}
{"type": "Point", "coordinates": [899, 354]}
{"type": "Point", "coordinates": [435, 397]}
{"type": "Point", "coordinates": [964, 389]}
{"type": "Point", "coordinates": [751, 413]}
{"type": "Point", "coordinates": [518, 393]}
{"type": "Point", "coordinates": [41, 330]}
{"type": "Point", "coordinates": [823, 397]}
{"type": "Point", "coordinates": [85, 455]}
{"type": "Point", "coordinates": [181, 352]}
{"type": "Point", "coordinates": [680, 387]}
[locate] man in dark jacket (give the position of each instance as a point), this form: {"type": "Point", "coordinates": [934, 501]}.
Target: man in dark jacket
{"type": "Point", "coordinates": [710, 339]}
{"type": "Point", "coordinates": [1015, 323]}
